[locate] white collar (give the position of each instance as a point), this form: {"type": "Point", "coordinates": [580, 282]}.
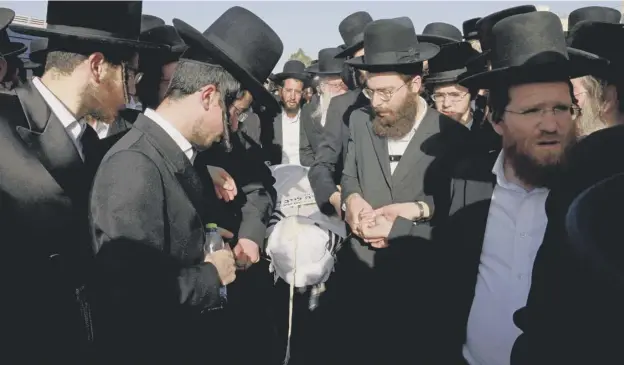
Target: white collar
{"type": "Point", "coordinates": [57, 107]}
{"type": "Point", "coordinates": [289, 119]}
{"type": "Point", "coordinates": [177, 137]}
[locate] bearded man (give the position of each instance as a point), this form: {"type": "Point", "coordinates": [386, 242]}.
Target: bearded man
{"type": "Point", "coordinates": [394, 173]}
{"type": "Point", "coordinates": [314, 115]}
{"type": "Point", "coordinates": [48, 158]}
{"type": "Point", "coordinates": [498, 216]}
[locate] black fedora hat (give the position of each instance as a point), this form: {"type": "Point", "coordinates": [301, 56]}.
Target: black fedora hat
{"type": "Point", "coordinates": [243, 44]}
{"type": "Point", "coordinates": [38, 51]}
{"type": "Point", "coordinates": [450, 64]}
{"type": "Point", "coordinates": [593, 13]}
{"type": "Point", "coordinates": [327, 63]}
{"type": "Point", "coordinates": [115, 23]}
{"type": "Point", "coordinates": [440, 34]}
{"type": "Point", "coordinates": [529, 47]}
{"type": "Point", "coordinates": [487, 23]}
{"type": "Point", "coordinates": [593, 224]}
{"type": "Point", "coordinates": [154, 30]}
{"type": "Point", "coordinates": [351, 30]}
{"type": "Point", "coordinates": [293, 69]}
{"type": "Point", "coordinates": [8, 48]}
{"type": "Point", "coordinates": [588, 39]}
{"type": "Point", "coordinates": [469, 28]}
{"type": "Point", "coordinates": [392, 43]}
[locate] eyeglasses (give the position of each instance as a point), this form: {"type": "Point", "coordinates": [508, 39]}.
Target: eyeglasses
{"type": "Point", "coordinates": [384, 95]}
{"type": "Point", "coordinates": [241, 115]}
{"type": "Point", "coordinates": [557, 111]}
{"type": "Point", "coordinates": [451, 97]}
{"type": "Point", "coordinates": [133, 73]}
{"type": "Point", "coordinates": [289, 91]}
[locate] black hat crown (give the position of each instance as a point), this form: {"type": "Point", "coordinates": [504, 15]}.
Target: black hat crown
{"type": "Point", "coordinates": [594, 13]}
{"type": "Point", "coordinates": [448, 65]}
{"type": "Point", "coordinates": [149, 22]}
{"type": "Point", "coordinates": [598, 39]}
{"type": "Point", "coordinates": [469, 28]}
{"type": "Point", "coordinates": [352, 27]}
{"type": "Point", "coordinates": [328, 63]}
{"type": "Point", "coordinates": [8, 48]}
{"type": "Point", "coordinates": [293, 69]}
{"type": "Point", "coordinates": [294, 66]}
{"type": "Point", "coordinates": [487, 23]}
{"type": "Point", "coordinates": [154, 30]}
{"type": "Point", "coordinates": [440, 33]}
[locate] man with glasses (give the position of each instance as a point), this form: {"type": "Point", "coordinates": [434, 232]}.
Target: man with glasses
{"type": "Point", "coordinates": [314, 114]}
{"type": "Point", "coordinates": [498, 216]}
{"type": "Point", "coordinates": [394, 176]}
{"type": "Point", "coordinates": [155, 280]}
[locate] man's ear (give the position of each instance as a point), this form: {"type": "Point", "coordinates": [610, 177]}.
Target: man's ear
{"type": "Point", "coordinates": [207, 94]}
{"type": "Point", "coordinates": [611, 100]}
{"type": "Point", "coordinates": [416, 83]}
{"type": "Point", "coordinates": [96, 63]}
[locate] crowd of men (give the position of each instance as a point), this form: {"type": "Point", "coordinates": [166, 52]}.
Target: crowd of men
{"type": "Point", "coordinates": [477, 172]}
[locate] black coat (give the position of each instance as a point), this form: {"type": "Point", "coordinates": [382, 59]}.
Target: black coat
{"type": "Point", "coordinates": [312, 133]}
{"type": "Point", "coordinates": [326, 171]}
{"type": "Point", "coordinates": [149, 206]}
{"type": "Point", "coordinates": [44, 187]}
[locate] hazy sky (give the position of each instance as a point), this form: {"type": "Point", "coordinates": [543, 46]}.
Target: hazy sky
{"type": "Point", "coordinates": [312, 25]}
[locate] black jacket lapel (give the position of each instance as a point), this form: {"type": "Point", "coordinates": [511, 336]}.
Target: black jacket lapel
{"type": "Point", "coordinates": [178, 163]}
{"type": "Point", "coordinates": [46, 136]}
{"type": "Point", "coordinates": [381, 149]}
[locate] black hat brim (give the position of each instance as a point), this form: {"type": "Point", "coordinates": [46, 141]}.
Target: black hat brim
{"type": "Point", "coordinates": [217, 49]}
{"type": "Point", "coordinates": [533, 73]}
{"type": "Point", "coordinates": [350, 50]}
{"type": "Point", "coordinates": [29, 65]}
{"type": "Point", "coordinates": [85, 35]}
{"type": "Point", "coordinates": [444, 77]}
{"type": "Point", "coordinates": [426, 51]}
{"type": "Point", "coordinates": [291, 75]}
{"type": "Point", "coordinates": [471, 35]}
{"type": "Point", "coordinates": [314, 69]}
{"type": "Point", "coordinates": [13, 49]}
{"type": "Point", "coordinates": [438, 40]}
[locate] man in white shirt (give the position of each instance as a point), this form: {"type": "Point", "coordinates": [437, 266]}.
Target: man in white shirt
{"type": "Point", "coordinates": [494, 235]}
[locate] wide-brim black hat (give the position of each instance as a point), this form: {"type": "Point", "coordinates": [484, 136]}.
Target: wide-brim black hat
{"type": "Point", "coordinates": [38, 51]}
{"type": "Point", "coordinates": [527, 48]}
{"type": "Point", "coordinates": [351, 30]}
{"type": "Point", "coordinates": [241, 42]}
{"type": "Point", "coordinates": [450, 64]}
{"type": "Point", "coordinates": [293, 69]}
{"type": "Point", "coordinates": [328, 63]}
{"type": "Point", "coordinates": [440, 34]}
{"type": "Point", "coordinates": [591, 39]}
{"type": "Point", "coordinates": [487, 23]}
{"type": "Point", "coordinates": [8, 48]}
{"type": "Point", "coordinates": [390, 44]}
{"type": "Point", "coordinates": [469, 29]}
{"type": "Point", "coordinates": [154, 30]}
{"type": "Point", "coordinates": [593, 13]}
{"type": "Point", "coordinates": [74, 23]}
{"type": "Point", "coordinates": [593, 227]}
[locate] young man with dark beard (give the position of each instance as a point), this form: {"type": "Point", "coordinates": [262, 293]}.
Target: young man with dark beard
{"type": "Point", "coordinates": [393, 177]}
{"type": "Point", "coordinates": [573, 313]}
{"type": "Point", "coordinates": [498, 215]}
{"type": "Point", "coordinates": [48, 156]}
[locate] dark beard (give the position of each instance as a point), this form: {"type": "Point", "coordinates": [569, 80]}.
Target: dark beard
{"type": "Point", "coordinates": [401, 122]}
{"type": "Point", "coordinates": [532, 172]}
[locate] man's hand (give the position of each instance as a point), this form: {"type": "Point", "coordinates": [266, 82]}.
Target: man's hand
{"type": "Point", "coordinates": [334, 200]}
{"type": "Point", "coordinates": [224, 184]}
{"type": "Point", "coordinates": [356, 207]}
{"type": "Point", "coordinates": [409, 211]}
{"type": "Point", "coordinates": [246, 252]}
{"type": "Point", "coordinates": [376, 233]}
{"type": "Point", "coordinates": [223, 260]}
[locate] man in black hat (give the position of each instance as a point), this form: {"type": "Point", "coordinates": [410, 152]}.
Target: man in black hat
{"type": "Point", "coordinates": [498, 218]}
{"type": "Point", "coordinates": [593, 13]}
{"type": "Point", "coordinates": [150, 237]}
{"type": "Point", "coordinates": [326, 171]}
{"type": "Point", "coordinates": [287, 127]}
{"type": "Point", "coordinates": [566, 319]}
{"type": "Point", "coordinates": [314, 115]}
{"type": "Point", "coordinates": [471, 33]}
{"type": "Point", "coordinates": [389, 181]}
{"type": "Point", "coordinates": [9, 52]}
{"type": "Point", "coordinates": [48, 157]}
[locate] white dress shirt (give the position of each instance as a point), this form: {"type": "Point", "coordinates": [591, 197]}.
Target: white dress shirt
{"type": "Point", "coordinates": [469, 124]}
{"type": "Point", "coordinates": [290, 138]}
{"type": "Point", "coordinates": [177, 137]}
{"type": "Point", "coordinates": [73, 128]}
{"type": "Point", "coordinates": [514, 231]}
{"type": "Point", "coordinates": [397, 147]}
{"type": "Point", "coordinates": [101, 129]}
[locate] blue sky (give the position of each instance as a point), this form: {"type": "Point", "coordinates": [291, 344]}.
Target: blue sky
{"type": "Point", "coordinates": [312, 25]}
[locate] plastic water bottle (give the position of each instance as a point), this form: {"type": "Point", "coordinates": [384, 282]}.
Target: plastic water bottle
{"type": "Point", "coordinates": [214, 242]}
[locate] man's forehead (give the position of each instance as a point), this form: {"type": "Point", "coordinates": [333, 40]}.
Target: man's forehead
{"type": "Point", "coordinates": [540, 91]}
{"type": "Point", "coordinates": [293, 84]}
{"type": "Point", "coordinates": [383, 80]}
{"type": "Point", "coordinates": [449, 88]}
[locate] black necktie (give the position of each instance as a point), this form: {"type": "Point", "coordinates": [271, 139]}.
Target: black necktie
{"type": "Point", "coordinates": [89, 141]}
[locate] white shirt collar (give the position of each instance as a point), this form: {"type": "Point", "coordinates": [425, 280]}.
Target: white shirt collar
{"type": "Point", "coordinates": [177, 137]}
{"type": "Point", "coordinates": [469, 124]}
{"type": "Point", "coordinates": [59, 109]}
{"type": "Point", "coordinates": [289, 119]}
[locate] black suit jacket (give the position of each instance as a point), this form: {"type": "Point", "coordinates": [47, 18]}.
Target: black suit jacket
{"type": "Point", "coordinates": [272, 138]}
{"type": "Point", "coordinates": [312, 132]}
{"type": "Point", "coordinates": [44, 187]}
{"type": "Point", "coordinates": [573, 314]}
{"type": "Point", "coordinates": [326, 171]}
{"type": "Point", "coordinates": [148, 211]}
